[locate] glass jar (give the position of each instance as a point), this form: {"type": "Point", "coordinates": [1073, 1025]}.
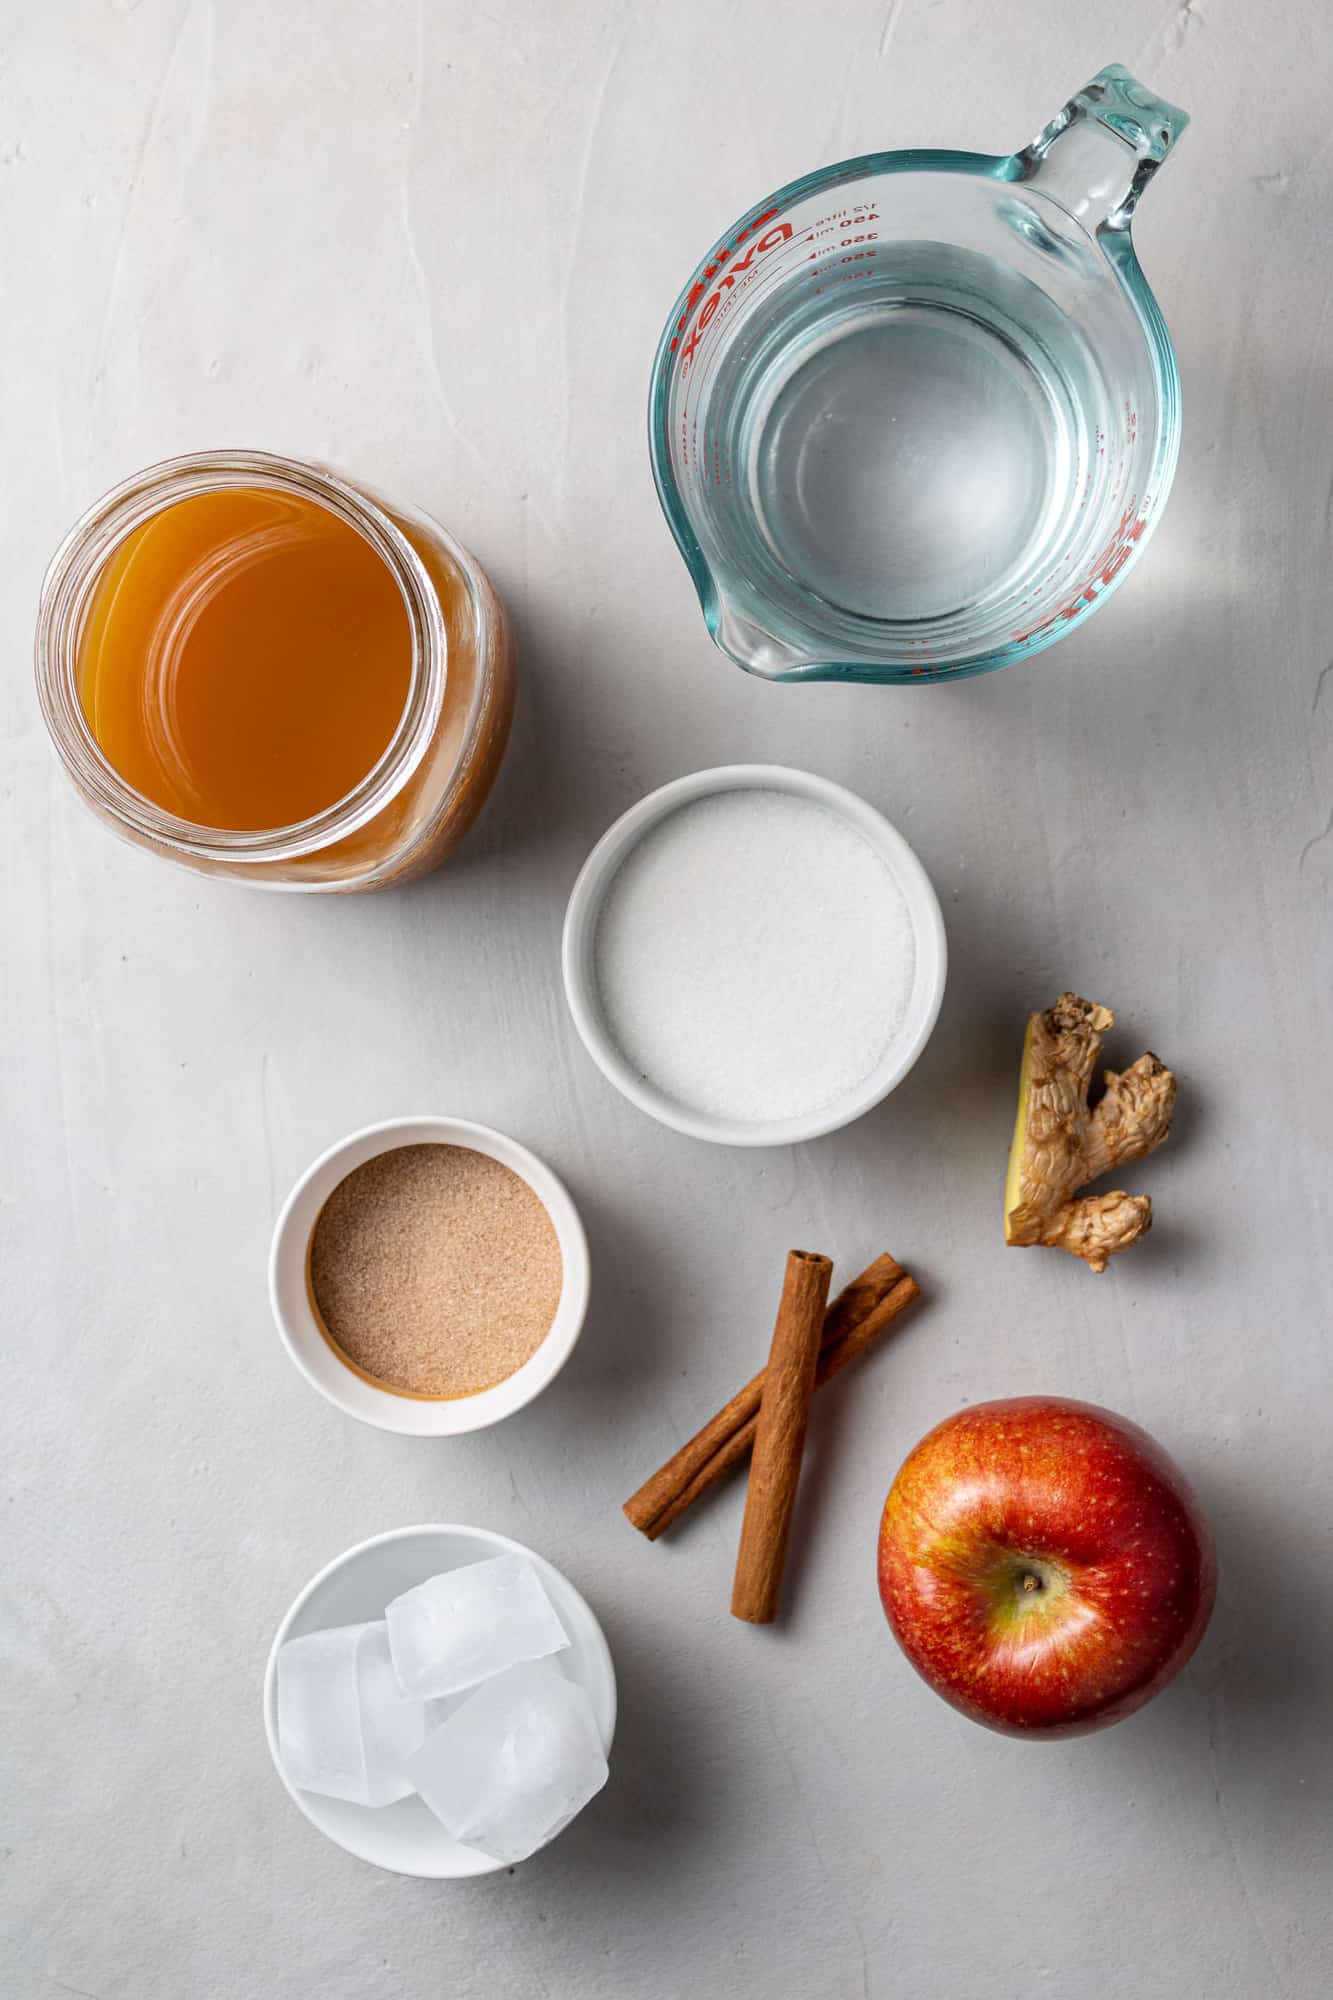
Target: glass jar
{"type": "Point", "coordinates": [412, 808]}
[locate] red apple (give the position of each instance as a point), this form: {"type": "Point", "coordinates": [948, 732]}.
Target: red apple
{"type": "Point", "coordinates": [1044, 1565]}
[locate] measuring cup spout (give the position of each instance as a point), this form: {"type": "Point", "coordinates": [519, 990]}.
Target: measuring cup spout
{"type": "Point", "coordinates": [1099, 153]}
{"type": "Point", "coordinates": [750, 644]}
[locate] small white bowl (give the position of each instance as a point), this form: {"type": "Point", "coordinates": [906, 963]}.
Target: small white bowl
{"type": "Point", "coordinates": [579, 944]}
{"type": "Point", "coordinates": [354, 1588]}
{"type": "Point", "coordinates": [289, 1285]}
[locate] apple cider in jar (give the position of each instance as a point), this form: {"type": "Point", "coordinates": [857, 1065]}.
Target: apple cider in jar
{"type": "Point", "coordinates": [256, 668]}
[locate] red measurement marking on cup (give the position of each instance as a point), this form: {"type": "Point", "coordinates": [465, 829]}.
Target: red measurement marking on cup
{"type": "Point", "coordinates": [759, 260]}
{"type": "Point", "coordinates": [752, 288]}
{"type": "Point", "coordinates": [781, 232]}
{"type": "Point", "coordinates": [709, 297]}
{"type": "Point", "coordinates": [1105, 567]}
{"type": "Point", "coordinates": [834, 275]}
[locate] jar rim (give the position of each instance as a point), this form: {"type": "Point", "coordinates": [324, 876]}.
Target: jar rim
{"type": "Point", "coordinates": [67, 589]}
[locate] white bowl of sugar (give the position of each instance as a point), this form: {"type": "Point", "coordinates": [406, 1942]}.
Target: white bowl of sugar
{"type": "Point", "coordinates": [754, 956]}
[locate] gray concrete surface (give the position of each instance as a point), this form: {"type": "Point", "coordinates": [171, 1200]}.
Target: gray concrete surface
{"type": "Point", "coordinates": [437, 246]}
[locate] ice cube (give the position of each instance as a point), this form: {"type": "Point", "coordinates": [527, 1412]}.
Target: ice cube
{"type": "Point", "coordinates": [515, 1761]}
{"type": "Point", "coordinates": [393, 1727]}
{"type": "Point", "coordinates": [466, 1624]}
{"type": "Point", "coordinates": [344, 1726]}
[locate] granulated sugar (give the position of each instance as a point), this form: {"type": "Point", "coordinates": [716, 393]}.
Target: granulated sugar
{"type": "Point", "coordinates": [435, 1269]}
{"type": "Point", "coordinates": [754, 957]}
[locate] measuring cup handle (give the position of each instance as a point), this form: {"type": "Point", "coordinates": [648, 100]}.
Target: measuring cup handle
{"type": "Point", "coordinates": [1097, 155]}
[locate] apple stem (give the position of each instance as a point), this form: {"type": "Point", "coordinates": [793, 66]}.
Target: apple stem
{"type": "Point", "coordinates": [1031, 1581]}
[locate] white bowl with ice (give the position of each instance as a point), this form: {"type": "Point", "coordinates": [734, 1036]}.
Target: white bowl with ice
{"type": "Point", "coordinates": [440, 1701]}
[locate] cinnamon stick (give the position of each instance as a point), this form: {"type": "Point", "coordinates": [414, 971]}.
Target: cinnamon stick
{"type": "Point", "coordinates": [736, 1444]}
{"type": "Point", "coordinates": [779, 1439]}
{"type": "Point", "coordinates": [713, 1451]}
{"type": "Point", "coordinates": [659, 1496]}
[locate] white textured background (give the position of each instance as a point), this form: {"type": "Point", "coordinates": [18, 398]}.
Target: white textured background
{"type": "Point", "coordinates": [437, 245]}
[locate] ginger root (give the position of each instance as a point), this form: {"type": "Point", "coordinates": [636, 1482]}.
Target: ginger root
{"type": "Point", "coordinates": [1060, 1144]}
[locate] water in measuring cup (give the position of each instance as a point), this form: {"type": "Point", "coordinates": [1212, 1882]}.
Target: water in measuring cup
{"type": "Point", "coordinates": [918, 451]}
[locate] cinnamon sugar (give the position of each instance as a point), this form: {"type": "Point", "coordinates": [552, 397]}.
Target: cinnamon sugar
{"type": "Point", "coordinates": [435, 1270]}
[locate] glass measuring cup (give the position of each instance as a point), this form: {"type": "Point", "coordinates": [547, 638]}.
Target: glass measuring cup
{"type": "Point", "coordinates": [917, 413]}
